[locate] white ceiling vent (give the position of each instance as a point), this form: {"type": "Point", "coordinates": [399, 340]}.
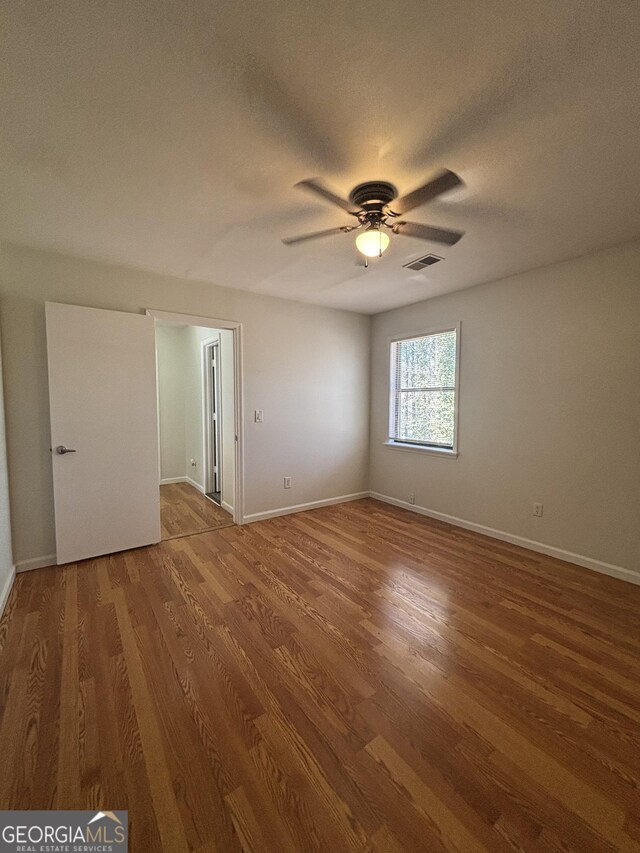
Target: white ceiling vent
{"type": "Point", "coordinates": [421, 263]}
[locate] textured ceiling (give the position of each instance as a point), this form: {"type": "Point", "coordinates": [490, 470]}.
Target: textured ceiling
{"type": "Point", "coordinates": [168, 135]}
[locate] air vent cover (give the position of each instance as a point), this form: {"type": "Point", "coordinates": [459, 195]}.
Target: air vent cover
{"type": "Point", "coordinates": [421, 263]}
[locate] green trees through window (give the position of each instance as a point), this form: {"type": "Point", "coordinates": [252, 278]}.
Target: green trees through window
{"type": "Point", "coordinates": [423, 381]}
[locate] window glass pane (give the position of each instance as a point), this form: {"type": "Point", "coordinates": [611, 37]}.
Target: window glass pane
{"type": "Point", "coordinates": [427, 362]}
{"type": "Point", "coordinates": [425, 416]}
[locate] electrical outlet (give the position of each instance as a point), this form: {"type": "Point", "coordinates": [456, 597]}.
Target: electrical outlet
{"type": "Point", "coordinates": [537, 510]}
{"type": "Point", "coordinates": [412, 499]}
{"type": "Point", "coordinates": [287, 482]}
{"type": "Point", "coordinates": [258, 416]}
{"type": "Point", "coordinates": [193, 463]}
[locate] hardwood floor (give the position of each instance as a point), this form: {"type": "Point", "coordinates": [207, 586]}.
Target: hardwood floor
{"type": "Point", "coordinates": [184, 510]}
{"type": "Point", "coordinates": [354, 678]}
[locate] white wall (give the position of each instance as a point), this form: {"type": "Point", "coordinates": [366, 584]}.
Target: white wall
{"type": "Point", "coordinates": [172, 366]}
{"type": "Point", "coordinates": [549, 407]}
{"type": "Point", "coordinates": [306, 366]}
{"type": "Point", "coordinates": [193, 405]}
{"type": "Point", "coordinates": [6, 560]}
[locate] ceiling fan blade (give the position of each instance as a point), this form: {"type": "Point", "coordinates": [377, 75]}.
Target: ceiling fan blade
{"type": "Point", "coordinates": [289, 241]}
{"type": "Point", "coordinates": [445, 181]}
{"type": "Point", "coordinates": [316, 186]}
{"type": "Point", "coordinates": [427, 232]}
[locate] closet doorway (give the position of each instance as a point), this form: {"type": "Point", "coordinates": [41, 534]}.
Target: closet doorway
{"type": "Point", "coordinates": [197, 424]}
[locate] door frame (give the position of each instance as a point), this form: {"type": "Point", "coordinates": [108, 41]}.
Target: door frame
{"type": "Point", "coordinates": [236, 328]}
{"type": "Point", "coordinates": [211, 392]}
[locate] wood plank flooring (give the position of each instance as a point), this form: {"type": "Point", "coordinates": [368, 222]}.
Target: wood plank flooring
{"type": "Point", "coordinates": [184, 510]}
{"type": "Point", "coordinates": [354, 678]}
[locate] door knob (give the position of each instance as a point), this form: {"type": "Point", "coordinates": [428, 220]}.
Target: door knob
{"type": "Point", "coordinates": [61, 449]}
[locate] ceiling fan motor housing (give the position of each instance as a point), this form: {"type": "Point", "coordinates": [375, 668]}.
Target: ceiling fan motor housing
{"type": "Point", "coordinates": [373, 195]}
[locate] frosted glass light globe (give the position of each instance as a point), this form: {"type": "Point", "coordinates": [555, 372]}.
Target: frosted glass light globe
{"type": "Point", "coordinates": [372, 242]}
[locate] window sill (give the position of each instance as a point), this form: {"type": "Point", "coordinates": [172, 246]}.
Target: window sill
{"type": "Point", "coordinates": [443, 452]}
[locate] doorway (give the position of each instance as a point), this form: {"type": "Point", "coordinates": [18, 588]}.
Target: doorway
{"type": "Point", "coordinates": [197, 424]}
{"type": "Point", "coordinates": [212, 364]}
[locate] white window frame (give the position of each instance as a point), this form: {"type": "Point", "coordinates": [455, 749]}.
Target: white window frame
{"type": "Point", "coordinates": [444, 452]}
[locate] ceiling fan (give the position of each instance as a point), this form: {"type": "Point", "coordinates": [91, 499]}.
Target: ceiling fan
{"type": "Point", "coordinates": [376, 206]}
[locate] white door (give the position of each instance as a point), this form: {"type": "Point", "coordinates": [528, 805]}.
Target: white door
{"type": "Point", "coordinates": [104, 439]}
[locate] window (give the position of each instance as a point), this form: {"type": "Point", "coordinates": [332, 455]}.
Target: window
{"type": "Point", "coordinates": [424, 374]}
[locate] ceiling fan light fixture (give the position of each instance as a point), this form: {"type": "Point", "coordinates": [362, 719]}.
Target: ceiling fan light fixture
{"type": "Point", "coordinates": [372, 242]}
{"type": "Point", "coordinates": [369, 204]}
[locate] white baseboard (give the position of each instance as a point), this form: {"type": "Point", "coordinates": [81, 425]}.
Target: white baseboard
{"type": "Point", "coordinates": [194, 484]}
{"type": "Point", "coordinates": [6, 589]}
{"type": "Point", "coordinates": [228, 507]}
{"type": "Point", "coordinates": [532, 545]}
{"type": "Point", "coordinates": [36, 563]}
{"type": "Point", "coordinates": [288, 510]}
